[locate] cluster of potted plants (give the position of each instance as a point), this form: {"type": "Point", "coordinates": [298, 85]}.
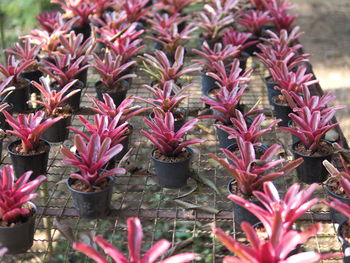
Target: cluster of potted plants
{"type": "Point", "coordinates": [107, 36]}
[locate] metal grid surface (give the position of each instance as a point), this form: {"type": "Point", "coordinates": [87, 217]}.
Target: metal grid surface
{"type": "Point", "coordinates": [137, 193]}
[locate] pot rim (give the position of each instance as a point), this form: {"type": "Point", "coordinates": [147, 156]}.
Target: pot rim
{"type": "Point", "coordinates": [16, 154]}
{"type": "Point", "coordinates": [331, 193]}
{"type": "Point", "coordinates": [31, 218]}
{"type": "Point", "coordinates": [311, 157]}
{"type": "Point", "coordinates": [70, 180]}
{"type": "Point", "coordinates": [189, 150]}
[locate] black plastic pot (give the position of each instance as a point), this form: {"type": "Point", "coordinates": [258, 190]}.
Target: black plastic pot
{"type": "Point", "coordinates": [82, 76]}
{"type": "Point", "coordinates": [84, 29]}
{"type": "Point", "coordinates": [312, 169]}
{"type": "Point", "coordinates": [3, 123]}
{"type": "Point", "coordinates": [271, 92]}
{"type": "Point", "coordinates": [281, 112]}
{"type": "Point", "coordinates": [32, 76]}
{"type": "Point", "coordinates": [35, 162]}
{"type": "Point", "coordinates": [240, 213]}
{"type": "Point", "coordinates": [173, 174]}
{"type": "Point", "coordinates": [345, 244]}
{"type": "Point", "coordinates": [224, 141]}
{"type": "Point", "coordinates": [243, 61]}
{"type": "Point", "coordinates": [91, 205]}
{"type": "Point", "coordinates": [294, 137]}
{"type": "Point", "coordinates": [208, 84]}
{"type": "Point", "coordinates": [18, 238]}
{"type": "Point", "coordinates": [117, 97]}
{"type": "Point", "coordinates": [18, 99]}
{"type": "Point", "coordinates": [125, 144]}
{"type": "Point", "coordinates": [253, 48]}
{"type": "Point", "coordinates": [336, 216]}
{"type": "Point", "coordinates": [58, 132]}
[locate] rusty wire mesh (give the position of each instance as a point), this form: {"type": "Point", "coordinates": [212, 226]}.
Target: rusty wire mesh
{"type": "Point", "coordinates": [138, 194]}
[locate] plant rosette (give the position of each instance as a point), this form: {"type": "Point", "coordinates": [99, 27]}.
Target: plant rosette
{"type": "Point", "coordinates": [18, 237]}
{"type": "Point", "coordinates": [179, 118]}
{"type": "Point", "coordinates": [91, 202]}
{"type": "Point", "coordinates": [312, 169]}
{"type": "Point", "coordinates": [73, 101]}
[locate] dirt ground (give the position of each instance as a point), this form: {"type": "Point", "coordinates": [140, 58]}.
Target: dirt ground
{"type": "Point", "coordinates": [326, 24]}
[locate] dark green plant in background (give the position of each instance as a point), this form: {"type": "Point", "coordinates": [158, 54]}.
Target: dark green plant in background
{"type": "Point", "coordinates": [17, 17]}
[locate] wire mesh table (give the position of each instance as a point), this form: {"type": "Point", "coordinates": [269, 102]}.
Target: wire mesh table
{"type": "Point", "coordinates": [161, 211]}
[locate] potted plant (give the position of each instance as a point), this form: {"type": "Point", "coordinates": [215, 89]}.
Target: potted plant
{"type": "Point", "coordinates": [310, 127]}
{"type": "Point", "coordinates": [171, 157]}
{"type": "Point", "coordinates": [334, 187]}
{"type": "Point", "coordinates": [112, 81]}
{"type": "Point", "coordinates": [162, 70]}
{"type": "Point", "coordinates": [224, 105]}
{"type": "Point", "coordinates": [136, 10]}
{"type": "Point", "coordinates": [52, 106]}
{"type": "Point", "coordinates": [63, 70]}
{"type": "Point", "coordinates": [105, 127]}
{"type": "Point", "coordinates": [171, 37]}
{"type": "Point", "coordinates": [4, 91]}
{"type": "Point", "coordinates": [30, 153]}
{"type": "Point", "coordinates": [252, 131]}
{"type": "Point", "coordinates": [167, 98]}
{"type": "Point", "coordinates": [281, 18]}
{"type": "Point", "coordinates": [249, 172]}
{"type": "Point", "coordinates": [212, 22]}
{"type": "Point", "coordinates": [135, 235]}
{"type": "Point", "coordinates": [244, 40]}
{"type": "Point", "coordinates": [108, 108]}
{"type": "Point", "coordinates": [210, 56]}
{"type": "Point", "coordinates": [91, 187]}
{"type": "Point", "coordinates": [281, 241]}
{"type": "Point", "coordinates": [173, 7]}
{"type": "Point", "coordinates": [48, 21]}
{"type": "Point", "coordinates": [27, 52]}
{"type": "Point", "coordinates": [75, 46]}
{"type": "Point", "coordinates": [254, 21]}
{"type": "Point", "coordinates": [17, 212]}
{"type": "Point", "coordinates": [82, 10]}
{"type": "Point", "coordinates": [20, 95]}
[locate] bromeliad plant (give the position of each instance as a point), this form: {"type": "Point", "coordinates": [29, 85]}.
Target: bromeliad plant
{"type": "Point", "coordinates": [163, 136]}
{"type": "Point", "coordinates": [209, 56]}
{"type": "Point", "coordinates": [166, 98]}
{"type": "Point", "coordinates": [251, 132]}
{"type": "Point", "coordinates": [93, 156]}
{"type": "Point", "coordinates": [173, 7]}
{"type": "Point", "coordinates": [281, 17]}
{"type": "Point", "coordinates": [16, 193]}
{"type": "Point", "coordinates": [14, 69]}
{"type": "Point", "coordinates": [52, 99]}
{"type": "Point", "coordinates": [136, 10]}
{"type": "Point", "coordinates": [111, 70]}
{"type": "Point", "coordinates": [25, 52]}
{"type": "Point", "coordinates": [225, 102]}
{"type": "Point", "coordinates": [108, 108]}
{"type": "Point", "coordinates": [237, 38]}
{"type": "Point", "coordinates": [250, 172]}
{"type": "Point", "coordinates": [254, 21]}
{"type": "Point", "coordinates": [230, 79]}
{"type": "Point", "coordinates": [277, 219]}
{"type": "Point", "coordinates": [29, 129]}
{"type": "Point", "coordinates": [162, 70]}
{"type": "Point", "coordinates": [135, 235]}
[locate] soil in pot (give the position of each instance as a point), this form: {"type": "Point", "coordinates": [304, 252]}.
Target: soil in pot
{"type": "Point", "coordinates": [18, 236]}
{"type": "Point", "coordinates": [312, 169]}
{"type": "Point", "coordinates": [91, 202]}
{"type": "Point", "coordinates": [118, 93]}
{"type": "Point", "coordinates": [172, 172]}
{"type": "Point", "coordinates": [240, 213]}
{"type": "Point", "coordinates": [18, 98]}
{"type": "Point", "coordinates": [36, 160]}
{"type": "Point", "coordinates": [282, 109]}
{"type": "Point", "coordinates": [344, 238]}
{"type": "Point", "coordinates": [334, 189]}
{"type": "Point", "coordinates": [58, 132]}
